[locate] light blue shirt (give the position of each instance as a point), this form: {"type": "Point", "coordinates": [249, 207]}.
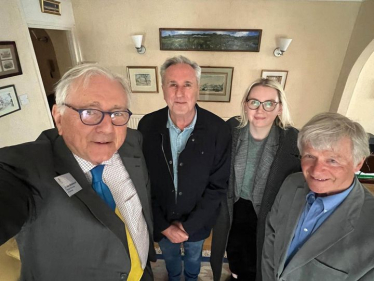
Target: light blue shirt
{"type": "Point", "coordinates": [178, 141]}
{"type": "Point", "coordinates": [316, 211]}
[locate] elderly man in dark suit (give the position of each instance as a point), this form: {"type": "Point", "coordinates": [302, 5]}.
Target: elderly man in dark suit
{"type": "Point", "coordinates": [321, 224]}
{"type": "Point", "coordinates": [67, 229]}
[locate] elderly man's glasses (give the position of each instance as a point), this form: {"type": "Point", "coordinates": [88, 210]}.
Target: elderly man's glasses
{"type": "Point", "coordinates": [268, 105]}
{"type": "Point", "coordinates": [92, 117]}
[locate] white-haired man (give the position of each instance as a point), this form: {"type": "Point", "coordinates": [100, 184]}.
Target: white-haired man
{"type": "Point", "coordinates": [77, 197]}
{"type": "Point", "coordinates": [321, 224]}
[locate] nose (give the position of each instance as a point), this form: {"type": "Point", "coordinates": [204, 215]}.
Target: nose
{"type": "Point", "coordinates": [317, 167]}
{"type": "Point", "coordinates": [106, 125]}
{"type": "Point", "coordinates": [179, 91]}
{"type": "Point", "coordinates": [261, 108]}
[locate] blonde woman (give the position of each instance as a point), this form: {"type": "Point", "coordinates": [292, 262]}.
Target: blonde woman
{"type": "Point", "coordinates": [264, 153]}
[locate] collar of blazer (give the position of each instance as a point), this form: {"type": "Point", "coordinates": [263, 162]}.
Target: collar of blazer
{"type": "Point", "coordinates": [340, 224]}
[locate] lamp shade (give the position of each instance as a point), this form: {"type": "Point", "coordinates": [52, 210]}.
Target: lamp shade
{"type": "Point", "coordinates": [137, 40]}
{"type": "Point", "coordinates": [283, 44]}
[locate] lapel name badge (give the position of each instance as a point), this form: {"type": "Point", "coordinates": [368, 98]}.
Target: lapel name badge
{"type": "Point", "coordinates": [68, 184]}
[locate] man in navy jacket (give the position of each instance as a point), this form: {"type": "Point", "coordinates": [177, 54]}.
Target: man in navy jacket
{"type": "Point", "coordinates": [187, 154]}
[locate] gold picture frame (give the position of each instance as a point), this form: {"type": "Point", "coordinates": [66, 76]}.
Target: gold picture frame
{"type": "Point", "coordinates": [51, 7]}
{"type": "Point", "coordinates": [143, 79]}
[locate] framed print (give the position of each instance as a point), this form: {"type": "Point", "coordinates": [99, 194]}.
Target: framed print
{"type": "Point", "coordinates": [9, 61]}
{"type": "Point", "coordinates": [278, 75]}
{"type": "Point", "coordinates": [143, 79]}
{"type": "Point", "coordinates": [50, 7]}
{"type": "Point", "coordinates": [8, 100]}
{"type": "Point", "coordinates": [219, 40]}
{"type": "Point", "coordinates": [215, 83]}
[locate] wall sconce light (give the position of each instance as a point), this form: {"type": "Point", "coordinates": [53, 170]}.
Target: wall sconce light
{"type": "Point", "coordinates": [138, 43]}
{"type": "Point", "coordinates": [282, 44]}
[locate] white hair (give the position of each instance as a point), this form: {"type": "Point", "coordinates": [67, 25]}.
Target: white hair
{"type": "Point", "coordinates": [85, 72]}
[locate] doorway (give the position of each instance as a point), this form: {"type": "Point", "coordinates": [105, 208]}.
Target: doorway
{"type": "Point", "coordinates": [53, 56]}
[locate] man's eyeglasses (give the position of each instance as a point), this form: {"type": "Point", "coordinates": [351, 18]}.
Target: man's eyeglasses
{"type": "Point", "coordinates": [267, 105]}
{"type": "Point", "coordinates": [92, 117]}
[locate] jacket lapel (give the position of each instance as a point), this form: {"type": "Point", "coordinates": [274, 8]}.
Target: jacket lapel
{"type": "Point", "coordinates": [240, 159]}
{"type": "Point", "coordinates": [335, 228]}
{"type": "Point", "coordinates": [296, 208]}
{"type": "Point", "coordinates": [66, 163]}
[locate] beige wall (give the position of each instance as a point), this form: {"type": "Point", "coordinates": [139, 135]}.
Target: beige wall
{"type": "Point", "coordinates": [321, 33]}
{"type": "Point", "coordinates": [26, 124]}
{"type": "Point", "coordinates": [362, 35]}
{"type": "Point", "coordinates": [361, 107]}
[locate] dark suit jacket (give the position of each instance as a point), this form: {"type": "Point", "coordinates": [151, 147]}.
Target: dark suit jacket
{"type": "Point", "coordinates": [61, 237]}
{"type": "Point", "coordinates": [203, 171]}
{"type": "Point", "coordinates": [342, 248]}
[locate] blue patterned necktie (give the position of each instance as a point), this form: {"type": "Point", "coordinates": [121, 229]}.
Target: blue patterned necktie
{"type": "Point", "coordinates": [100, 187]}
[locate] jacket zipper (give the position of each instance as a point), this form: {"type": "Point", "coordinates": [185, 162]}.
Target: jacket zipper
{"type": "Point", "coordinates": [167, 164]}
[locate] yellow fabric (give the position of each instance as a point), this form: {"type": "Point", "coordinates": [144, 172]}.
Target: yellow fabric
{"type": "Point", "coordinates": [136, 271]}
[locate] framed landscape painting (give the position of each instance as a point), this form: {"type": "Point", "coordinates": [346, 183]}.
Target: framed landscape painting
{"type": "Point", "coordinates": [143, 79]}
{"type": "Point", "coordinates": [9, 61]}
{"type": "Point", "coordinates": [215, 84]}
{"type": "Point", "coordinates": [8, 100]}
{"type": "Point", "coordinates": [278, 75]}
{"type": "Point", "coordinates": [219, 40]}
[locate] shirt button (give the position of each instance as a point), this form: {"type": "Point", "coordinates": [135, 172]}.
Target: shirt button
{"type": "Point", "coordinates": [193, 139]}
{"type": "Point", "coordinates": [170, 162]}
{"type": "Point", "coordinates": [181, 164]}
{"type": "Point", "coordinates": [123, 276]}
{"type": "Point", "coordinates": [180, 193]}
{"type": "Point", "coordinates": [305, 229]}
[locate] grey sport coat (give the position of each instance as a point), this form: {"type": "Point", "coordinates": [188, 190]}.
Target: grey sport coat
{"type": "Point", "coordinates": [342, 248]}
{"type": "Point", "coordinates": [61, 237]}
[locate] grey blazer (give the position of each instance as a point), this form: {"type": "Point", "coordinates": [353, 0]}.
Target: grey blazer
{"type": "Point", "coordinates": [342, 248]}
{"type": "Point", "coordinates": [67, 238]}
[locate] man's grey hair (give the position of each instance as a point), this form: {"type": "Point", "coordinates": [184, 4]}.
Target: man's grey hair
{"type": "Point", "coordinates": [177, 60]}
{"type": "Point", "coordinates": [85, 72]}
{"type": "Point", "coordinates": [325, 130]}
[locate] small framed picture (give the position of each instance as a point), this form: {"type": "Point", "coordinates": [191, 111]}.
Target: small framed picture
{"type": "Point", "coordinates": [9, 61]}
{"type": "Point", "coordinates": [50, 7]}
{"type": "Point", "coordinates": [8, 100]}
{"type": "Point", "coordinates": [143, 79]}
{"type": "Point", "coordinates": [215, 83]}
{"type": "Point", "coordinates": [278, 75]}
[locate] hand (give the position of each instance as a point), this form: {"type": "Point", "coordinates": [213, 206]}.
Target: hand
{"type": "Point", "coordinates": [175, 234]}
{"type": "Point", "coordinates": [179, 225]}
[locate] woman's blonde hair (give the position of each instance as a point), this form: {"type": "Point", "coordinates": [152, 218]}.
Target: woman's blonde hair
{"type": "Point", "coordinates": [284, 120]}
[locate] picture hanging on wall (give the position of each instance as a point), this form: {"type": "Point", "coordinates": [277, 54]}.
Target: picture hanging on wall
{"type": "Point", "coordinates": [215, 84]}
{"type": "Point", "coordinates": [50, 7]}
{"type": "Point", "coordinates": [8, 100]}
{"type": "Point", "coordinates": [278, 75]}
{"type": "Point", "coordinates": [9, 61]}
{"type": "Point", "coordinates": [143, 79]}
{"type": "Point", "coordinates": [219, 40]}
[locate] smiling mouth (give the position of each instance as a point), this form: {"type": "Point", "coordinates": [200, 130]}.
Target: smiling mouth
{"type": "Point", "coordinates": [317, 179]}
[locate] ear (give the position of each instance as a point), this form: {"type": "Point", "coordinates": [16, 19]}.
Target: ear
{"type": "Point", "coordinates": [359, 165]}
{"type": "Point", "coordinates": [57, 117]}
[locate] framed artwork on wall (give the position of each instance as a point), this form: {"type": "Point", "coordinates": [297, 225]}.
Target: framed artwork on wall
{"type": "Point", "coordinates": [219, 40]}
{"type": "Point", "coordinates": [50, 7]}
{"type": "Point", "coordinates": [143, 79]}
{"type": "Point", "coordinates": [8, 100]}
{"type": "Point", "coordinates": [215, 84]}
{"type": "Point", "coordinates": [278, 75]}
{"type": "Point", "coordinates": [9, 61]}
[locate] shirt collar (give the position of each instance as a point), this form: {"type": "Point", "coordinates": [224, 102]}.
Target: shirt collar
{"type": "Point", "coordinates": [87, 166]}
{"type": "Point", "coordinates": [329, 202]}
{"type": "Point", "coordinates": [170, 123]}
